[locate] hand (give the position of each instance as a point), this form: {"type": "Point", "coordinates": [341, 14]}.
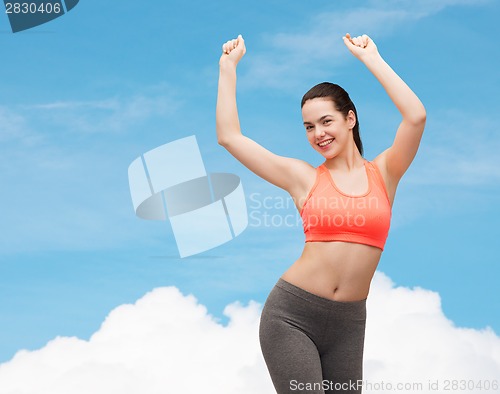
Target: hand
{"type": "Point", "coordinates": [233, 51]}
{"type": "Point", "coordinates": [360, 46]}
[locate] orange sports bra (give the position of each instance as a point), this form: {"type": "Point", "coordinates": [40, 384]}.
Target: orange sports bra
{"type": "Point", "coordinates": [328, 214]}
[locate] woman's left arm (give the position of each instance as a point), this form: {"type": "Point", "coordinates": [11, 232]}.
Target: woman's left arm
{"type": "Point", "coordinates": [399, 156]}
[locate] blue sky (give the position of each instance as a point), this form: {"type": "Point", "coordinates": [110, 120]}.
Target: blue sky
{"type": "Point", "coordinates": [85, 94]}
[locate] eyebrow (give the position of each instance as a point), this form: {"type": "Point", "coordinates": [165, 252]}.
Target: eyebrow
{"type": "Point", "coordinates": [320, 119]}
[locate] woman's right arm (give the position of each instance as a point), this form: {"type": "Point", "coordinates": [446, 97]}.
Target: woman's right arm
{"type": "Point", "coordinates": [287, 173]}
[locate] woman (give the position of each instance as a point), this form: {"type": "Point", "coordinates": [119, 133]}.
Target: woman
{"type": "Point", "coordinates": [313, 322]}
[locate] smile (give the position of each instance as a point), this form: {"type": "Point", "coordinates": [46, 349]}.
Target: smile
{"type": "Point", "coordinates": [326, 142]}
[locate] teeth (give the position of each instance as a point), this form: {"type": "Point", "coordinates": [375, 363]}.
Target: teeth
{"type": "Point", "coordinates": [326, 142]}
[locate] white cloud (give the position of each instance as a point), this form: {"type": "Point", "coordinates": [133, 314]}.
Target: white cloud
{"type": "Point", "coordinates": [167, 343]}
{"type": "Point", "coordinates": [164, 343]}
{"type": "Point", "coordinates": [410, 340]}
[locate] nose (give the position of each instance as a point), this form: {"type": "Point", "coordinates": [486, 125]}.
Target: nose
{"type": "Point", "coordinates": [319, 132]}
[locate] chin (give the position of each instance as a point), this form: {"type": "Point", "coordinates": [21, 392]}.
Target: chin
{"type": "Point", "coordinates": [327, 155]}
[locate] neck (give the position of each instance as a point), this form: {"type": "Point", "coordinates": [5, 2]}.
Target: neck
{"type": "Point", "coordinates": [347, 160]}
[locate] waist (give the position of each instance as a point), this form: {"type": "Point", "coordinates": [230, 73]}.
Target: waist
{"type": "Point", "coordinates": [338, 271]}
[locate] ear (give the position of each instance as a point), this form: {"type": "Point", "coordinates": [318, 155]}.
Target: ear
{"type": "Point", "coordinates": [351, 119]}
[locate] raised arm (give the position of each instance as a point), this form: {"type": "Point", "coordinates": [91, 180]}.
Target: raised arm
{"type": "Point", "coordinates": [287, 173]}
{"type": "Point", "coordinates": [399, 156]}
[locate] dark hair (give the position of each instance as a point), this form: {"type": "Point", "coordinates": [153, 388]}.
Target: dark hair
{"type": "Point", "coordinates": [342, 102]}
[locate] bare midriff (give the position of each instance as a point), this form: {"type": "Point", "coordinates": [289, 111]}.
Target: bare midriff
{"type": "Point", "coordinates": [340, 271]}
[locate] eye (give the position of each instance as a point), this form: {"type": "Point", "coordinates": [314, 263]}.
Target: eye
{"type": "Point", "coordinates": [309, 128]}
{"type": "Point", "coordinates": [327, 121]}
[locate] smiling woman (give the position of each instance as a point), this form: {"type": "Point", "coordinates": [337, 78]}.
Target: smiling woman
{"type": "Point", "coordinates": [338, 106]}
{"type": "Point", "coordinates": [312, 326]}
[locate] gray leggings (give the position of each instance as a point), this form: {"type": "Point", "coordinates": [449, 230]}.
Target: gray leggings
{"type": "Point", "coordinates": [312, 344]}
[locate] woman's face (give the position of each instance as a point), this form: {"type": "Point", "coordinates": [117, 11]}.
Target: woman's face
{"type": "Point", "coordinates": [325, 125]}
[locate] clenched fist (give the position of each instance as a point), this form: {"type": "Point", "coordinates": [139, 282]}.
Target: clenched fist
{"type": "Point", "coordinates": [360, 46]}
{"type": "Point", "coordinates": [233, 50]}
